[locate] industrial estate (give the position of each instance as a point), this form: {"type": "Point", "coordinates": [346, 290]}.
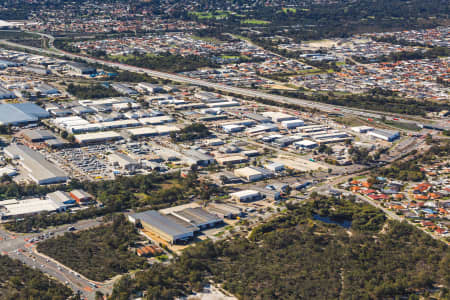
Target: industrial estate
{"type": "Point", "coordinates": [160, 155]}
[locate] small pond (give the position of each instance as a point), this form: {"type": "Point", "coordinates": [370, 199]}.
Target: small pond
{"type": "Point", "coordinates": [328, 220]}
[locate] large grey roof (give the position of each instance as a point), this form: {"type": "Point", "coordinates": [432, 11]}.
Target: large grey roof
{"type": "Point", "coordinates": [163, 223]}
{"type": "Point", "coordinates": [197, 216]}
{"type": "Point", "coordinates": [21, 113]}
{"type": "Point", "coordinates": [40, 169]}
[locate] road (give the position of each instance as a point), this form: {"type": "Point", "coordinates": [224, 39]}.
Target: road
{"type": "Point", "coordinates": [19, 246]}
{"type": "Point", "coordinates": [220, 87]}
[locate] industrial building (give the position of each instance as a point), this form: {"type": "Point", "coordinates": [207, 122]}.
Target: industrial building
{"type": "Point", "coordinates": [123, 161]}
{"type": "Point", "coordinates": [81, 197]}
{"type": "Point", "coordinates": [155, 130]}
{"type": "Point", "coordinates": [37, 135]}
{"type": "Point", "coordinates": [231, 159]}
{"type": "Point", "coordinates": [224, 210]}
{"type": "Point", "coordinates": [21, 113]}
{"type": "Point", "coordinates": [246, 196]}
{"type": "Point", "coordinates": [6, 94]}
{"type": "Point", "coordinates": [385, 135]}
{"type": "Point", "coordinates": [306, 144]}
{"type": "Point", "coordinates": [62, 197]}
{"type": "Point", "coordinates": [170, 229]}
{"type": "Point", "coordinates": [21, 208]}
{"type": "Point", "coordinates": [195, 157]}
{"type": "Point", "coordinates": [39, 169]}
{"type": "Point", "coordinates": [97, 137]}
{"type": "Point", "coordinates": [275, 167]}
{"type": "Point", "coordinates": [361, 129]}
{"type": "Point", "coordinates": [277, 116]}
{"type": "Point", "coordinates": [291, 124]}
{"type": "Point", "coordinates": [123, 89]}
{"type": "Point", "coordinates": [198, 217]}
{"type": "Point", "coordinates": [151, 88]}
{"type": "Point", "coordinates": [81, 69]}
{"type": "Point", "coordinates": [249, 173]}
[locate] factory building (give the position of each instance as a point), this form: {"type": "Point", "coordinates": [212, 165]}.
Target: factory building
{"type": "Point", "coordinates": [123, 89]}
{"type": "Point", "coordinates": [224, 210]}
{"type": "Point", "coordinates": [37, 135]}
{"type": "Point", "coordinates": [123, 161]}
{"type": "Point", "coordinates": [150, 88]}
{"type": "Point", "coordinates": [361, 129]}
{"type": "Point", "coordinates": [151, 131]}
{"type": "Point", "coordinates": [291, 124]}
{"type": "Point", "coordinates": [275, 167]}
{"type": "Point", "coordinates": [246, 196]}
{"type": "Point", "coordinates": [195, 157]}
{"type": "Point", "coordinates": [81, 69]}
{"type": "Point", "coordinates": [6, 94]}
{"type": "Point", "coordinates": [46, 90]}
{"type": "Point", "coordinates": [231, 128]}
{"type": "Point", "coordinates": [198, 217]}
{"type": "Point", "coordinates": [13, 208]}
{"type": "Point", "coordinates": [167, 227]}
{"type": "Point", "coordinates": [231, 159]}
{"type": "Point", "coordinates": [81, 197]}
{"type": "Point", "coordinates": [385, 135]}
{"type": "Point", "coordinates": [39, 169]}
{"type": "Point", "coordinates": [104, 136]}
{"type": "Point", "coordinates": [277, 116]}
{"type": "Point", "coordinates": [21, 113]}
{"type": "Point", "coordinates": [62, 197]}
{"type": "Point", "coordinates": [306, 144]}
{"type": "Point", "coordinates": [249, 174]}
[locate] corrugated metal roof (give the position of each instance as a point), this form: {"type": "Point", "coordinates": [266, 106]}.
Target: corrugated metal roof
{"type": "Point", "coordinates": [21, 113]}
{"type": "Point", "coordinates": [164, 223]}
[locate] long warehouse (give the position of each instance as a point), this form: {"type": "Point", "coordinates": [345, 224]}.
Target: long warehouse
{"type": "Point", "coordinates": [39, 169]}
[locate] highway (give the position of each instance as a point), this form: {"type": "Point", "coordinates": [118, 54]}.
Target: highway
{"type": "Point", "coordinates": [198, 82]}
{"type": "Point", "coordinates": [23, 248]}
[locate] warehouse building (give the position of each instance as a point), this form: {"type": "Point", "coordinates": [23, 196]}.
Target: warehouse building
{"type": "Point", "coordinates": [385, 135]}
{"type": "Point", "coordinates": [21, 113]}
{"type": "Point", "coordinates": [224, 210]}
{"type": "Point", "coordinates": [277, 116]}
{"type": "Point", "coordinates": [6, 94]}
{"type": "Point", "coordinates": [198, 217]}
{"type": "Point", "coordinates": [123, 89]}
{"type": "Point", "coordinates": [231, 159]}
{"type": "Point", "coordinates": [275, 167]}
{"type": "Point", "coordinates": [104, 136]}
{"type": "Point", "coordinates": [81, 69]}
{"type": "Point", "coordinates": [62, 197]}
{"type": "Point", "coordinates": [81, 197]}
{"type": "Point", "coordinates": [305, 144]}
{"type": "Point", "coordinates": [195, 157]}
{"type": "Point", "coordinates": [361, 129]}
{"type": "Point", "coordinates": [124, 161]}
{"type": "Point", "coordinates": [168, 228]}
{"type": "Point", "coordinates": [39, 169]}
{"type": "Point", "coordinates": [150, 88]}
{"type": "Point", "coordinates": [249, 174]}
{"type": "Point", "coordinates": [246, 196]}
{"type": "Point", "coordinates": [291, 124]}
{"type": "Point", "coordinates": [157, 120]}
{"type": "Point", "coordinates": [155, 130]}
{"type": "Point", "coordinates": [37, 135]}
{"type": "Point", "coordinates": [13, 208]}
